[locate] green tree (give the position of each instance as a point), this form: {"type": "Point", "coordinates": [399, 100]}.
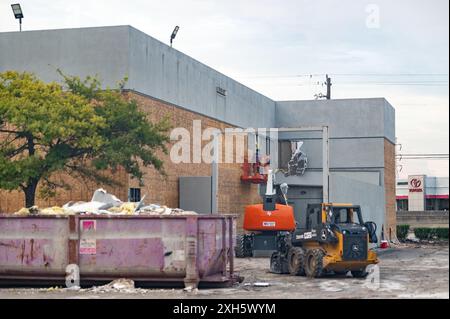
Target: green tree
{"type": "Point", "coordinates": [76, 128]}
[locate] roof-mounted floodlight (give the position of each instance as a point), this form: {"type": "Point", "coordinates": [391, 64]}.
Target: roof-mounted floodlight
{"type": "Point", "coordinates": [18, 13]}
{"type": "Point", "coordinates": [174, 34]}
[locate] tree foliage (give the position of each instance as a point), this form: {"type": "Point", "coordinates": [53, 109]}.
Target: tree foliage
{"type": "Point", "coordinates": [76, 128]}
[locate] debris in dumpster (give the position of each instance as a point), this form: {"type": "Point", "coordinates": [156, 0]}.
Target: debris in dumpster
{"type": "Point", "coordinates": [85, 207]}
{"type": "Point", "coordinates": [22, 211]}
{"type": "Point", "coordinates": [128, 208]}
{"type": "Point", "coordinates": [100, 195]}
{"type": "Point", "coordinates": [103, 203]}
{"type": "Point", "coordinates": [140, 204]}
{"type": "Point", "coordinates": [55, 210]}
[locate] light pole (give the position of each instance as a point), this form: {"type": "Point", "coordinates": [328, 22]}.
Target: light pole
{"type": "Point", "coordinates": [328, 83]}
{"type": "Point", "coordinates": [174, 34]}
{"type": "Point", "coordinates": [18, 14]}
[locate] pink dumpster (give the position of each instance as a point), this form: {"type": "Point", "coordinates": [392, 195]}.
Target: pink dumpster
{"type": "Point", "coordinates": [189, 249]}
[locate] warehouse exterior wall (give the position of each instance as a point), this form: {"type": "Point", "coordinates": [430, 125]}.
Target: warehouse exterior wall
{"type": "Point", "coordinates": [361, 150]}
{"type": "Point", "coordinates": [233, 194]}
{"type": "Point", "coordinates": [152, 67]}
{"type": "Point", "coordinates": [158, 188]}
{"type": "Point", "coordinates": [160, 71]}
{"type": "Point", "coordinates": [346, 118]}
{"type": "Point", "coordinates": [168, 82]}
{"type": "Point", "coordinates": [81, 52]}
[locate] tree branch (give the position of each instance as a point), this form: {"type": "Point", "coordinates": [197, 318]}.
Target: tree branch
{"type": "Point", "coordinates": [16, 151]}
{"type": "Point", "coordinates": [7, 141]}
{"type": "Point", "coordinates": [54, 184]}
{"type": "Point", "coordinates": [91, 174]}
{"type": "Point", "coordinates": [10, 131]}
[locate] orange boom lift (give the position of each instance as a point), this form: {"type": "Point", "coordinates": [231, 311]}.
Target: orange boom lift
{"type": "Point", "coordinates": [263, 222]}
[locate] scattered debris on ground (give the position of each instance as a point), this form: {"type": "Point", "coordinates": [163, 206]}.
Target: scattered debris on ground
{"type": "Point", "coordinates": [103, 203]}
{"type": "Point", "coordinates": [408, 270]}
{"type": "Point", "coordinates": [119, 285]}
{"type": "Point", "coordinates": [258, 284]}
{"type": "Point", "coordinates": [191, 289]}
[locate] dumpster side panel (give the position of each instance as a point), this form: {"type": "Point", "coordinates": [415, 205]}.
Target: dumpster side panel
{"type": "Point", "coordinates": [148, 248]}
{"type": "Point", "coordinates": [211, 252]}
{"type": "Point", "coordinates": [215, 246]}
{"type": "Point", "coordinates": [131, 247]}
{"type": "Point", "coordinates": [33, 245]}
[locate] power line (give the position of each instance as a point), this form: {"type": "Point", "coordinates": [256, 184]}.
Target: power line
{"type": "Point", "coordinates": [361, 84]}
{"type": "Point", "coordinates": [425, 158]}
{"type": "Point", "coordinates": [395, 83]}
{"type": "Point", "coordinates": [376, 82]}
{"type": "Point", "coordinates": [344, 74]}
{"type": "Point", "coordinates": [390, 74]}
{"type": "Point", "coordinates": [424, 154]}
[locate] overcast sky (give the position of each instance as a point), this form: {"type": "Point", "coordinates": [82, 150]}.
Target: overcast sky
{"type": "Point", "coordinates": [379, 48]}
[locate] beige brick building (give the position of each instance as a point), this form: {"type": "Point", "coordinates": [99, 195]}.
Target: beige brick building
{"type": "Point", "coordinates": [158, 188]}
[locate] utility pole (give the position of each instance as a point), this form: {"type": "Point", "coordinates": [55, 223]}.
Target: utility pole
{"type": "Point", "coordinates": [328, 83]}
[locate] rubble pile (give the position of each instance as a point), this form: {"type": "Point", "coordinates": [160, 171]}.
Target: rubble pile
{"type": "Point", "coordinates": [103, 203]}
{"type": "Point", "coordinates": [119, 285]}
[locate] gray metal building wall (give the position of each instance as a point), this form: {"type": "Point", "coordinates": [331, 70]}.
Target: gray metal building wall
{"type": "Point", "coordinates": [357, 130]}
{"type": "Point", "coordinates": [163, 72]}
{"type": "Point", "coordinates": [347, 118]}
{"type": "Point", "coordinates": [81, 52]}
{"type": "Point", "coordinates": [153, 69]}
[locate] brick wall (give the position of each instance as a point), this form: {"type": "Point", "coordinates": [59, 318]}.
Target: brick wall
{"type": "Point", "coordinates": [233, 195]}
{"type": "Point", "coordinates": [429, 218]}
{"type": "Point", "coordinates": [79, 191]}
{"type": "Point", "coordinates": [389, 184]}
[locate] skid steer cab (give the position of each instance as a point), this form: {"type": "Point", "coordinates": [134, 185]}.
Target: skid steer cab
{"type": "Point", "coordinates": [334, 239]}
